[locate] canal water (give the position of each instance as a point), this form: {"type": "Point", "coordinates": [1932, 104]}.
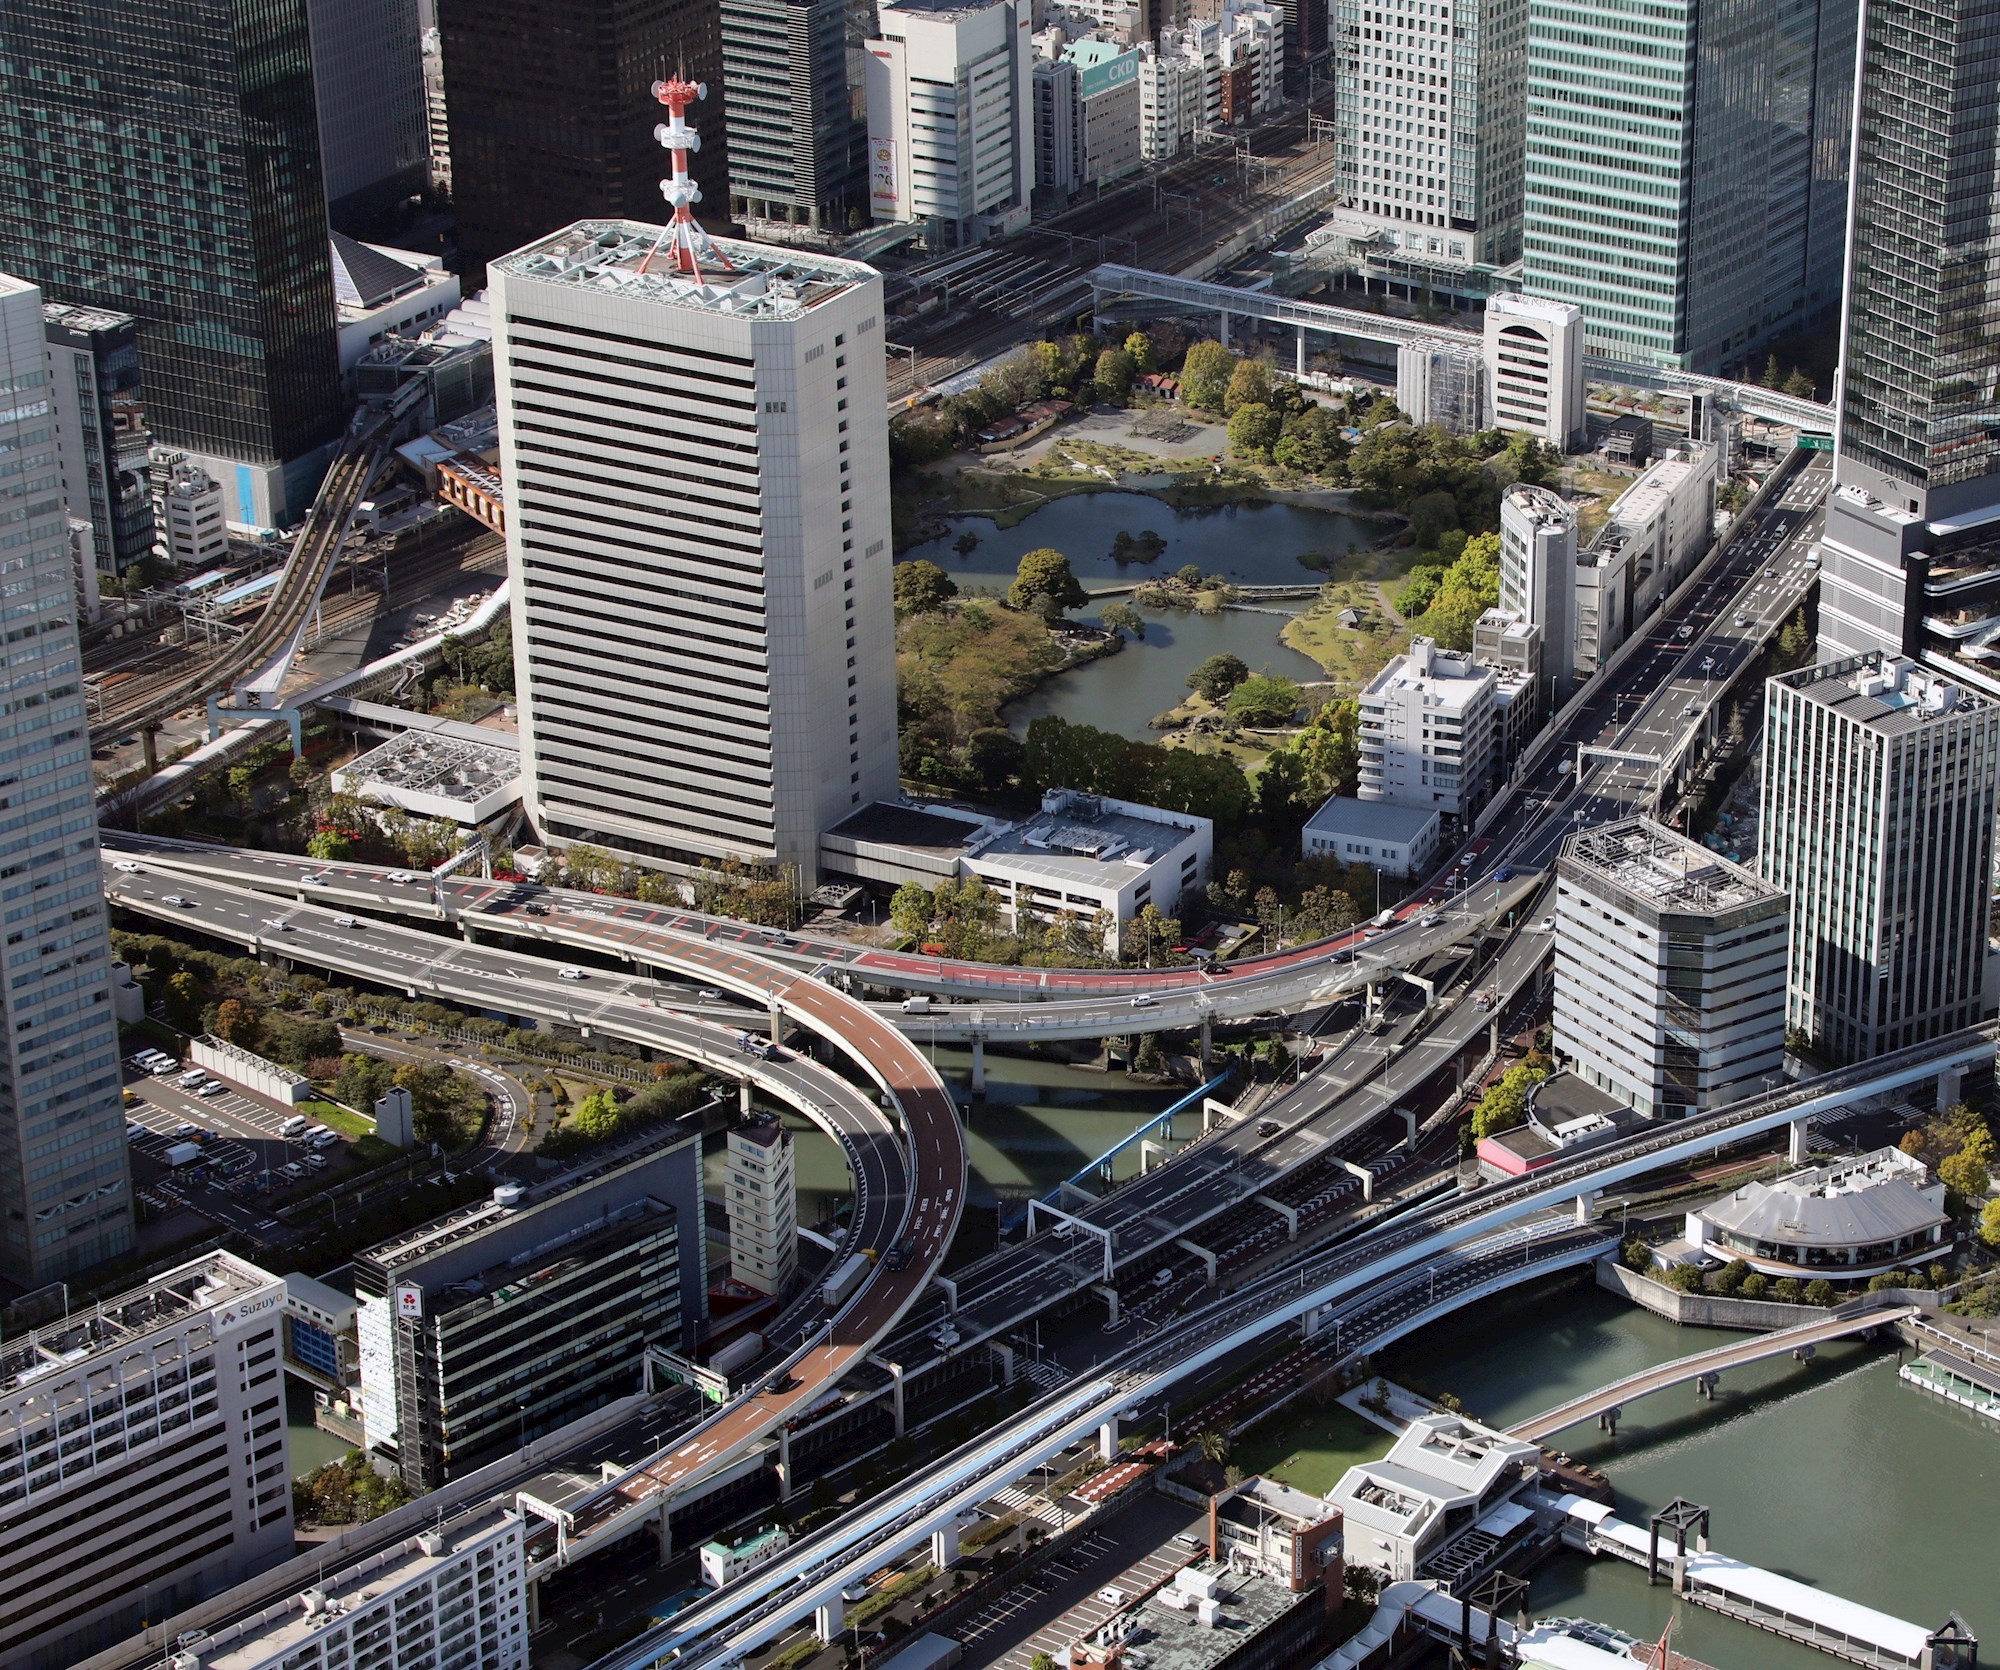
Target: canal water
{"type": "Point", "coordinates": [1834, 1473]}
{"type": "Point", "coordinates": [1256, 544]}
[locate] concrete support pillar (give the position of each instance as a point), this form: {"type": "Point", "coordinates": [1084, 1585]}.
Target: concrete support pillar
{"type": "Point", "coordinates": [1207, 1029]}
{"type": "Point", "coordinates": [1409, 1128]}
{"type": "Point", "coordinates": [949, 1289]}
{"type": "Point", "coordinates": [534, 1604]}
{"type": "Point", "coordinates": [896, 1394]}
{"type": "Point", "coordinates": [1301, 362]}
{"type": "Point", "coordinates": [1795, 1150]}
{"type": "Point", "coordinates": [1289, 1213]}
{"type": "Point", "coordinates": [1200, 1252]}
{"type": "Point", "coordinates": [1367, 1177]}
{"type": "Point", "coordinates": [786, 1480]}
{"type": "Point", "coordinates": [777, 1024]}
{"type": "Point", "coordinates": [1493, 1036]}
{"type": "Point", "coordinates": [1212, 1110]}
{"type": "Point", "coordinates": [944, 1547]}
{"type": "Point", "coordinates": [1586, 1208]}
{"type": "Point", "coordinates": [1950, 1080]}
{"type": "Point", "coordinates": [1150, 1150]}
{"type": "Point", "coordinates": [663, 1528]}
{"type": "Point", "coordinates": [149, 740]}
{"type": "Point", "coordinates": [830, 1618]}
{"type": "Point", "coordinates": [1309, 1324]}
{"type": "Point", "coordinates": [1007, 1361]}
{"type": "Point", "coordinates": [1107, 1439]}
{"type": "Point", "coordinates": [743, 1096]}
{"type": "Point", "coordinates": [979, 1066]}
{"type": "Point", "coordinates": [1109, 1294]}
{"type": "Point", "coordinates": [1223, 334]}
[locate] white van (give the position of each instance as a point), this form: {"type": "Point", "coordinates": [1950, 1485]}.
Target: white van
{"type": "Point", "coordinates": [296, 1126]}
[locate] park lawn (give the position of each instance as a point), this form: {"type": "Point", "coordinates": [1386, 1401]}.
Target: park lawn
{"type": "Point", "coordinates": [977, 667]}
{"type": "Point", "coordinates": [1310, 1448]}
{"type": "Point", "coordinates": [1350, 656]}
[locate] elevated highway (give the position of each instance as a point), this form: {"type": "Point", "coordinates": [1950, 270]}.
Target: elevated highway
{"type": "Point", "coordinates": [911, 1181]}
{"type": "Point", "coordinates": [739, 1619]}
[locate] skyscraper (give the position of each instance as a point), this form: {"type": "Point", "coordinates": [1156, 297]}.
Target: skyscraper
{"type": "Point", "coordinates": [1879, 792]}
{"type": "Point", "coordinates": [374, 129]}
{"type": "Point", "coordinates": [551, 117]}
{"type": "Point", "coordinates": [161, 158]}
{"type": "Point", "coordinates": [94, 365]}
{"type": "Point", "coordinates": [1429, 99]}
{"type": "Point", "coordinates": [797, 131]}
{"type": "Point", "coordinates": [1685, 177]}
{"type": "Point", "coordinates": [1910, 558]}
{"type": "Point", "coordinates": [65, 1189]}
{"type": "Point", "coordinates": [698, 540]}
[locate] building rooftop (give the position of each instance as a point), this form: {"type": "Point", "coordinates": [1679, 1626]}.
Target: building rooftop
{"type": "Point", "coordinates": [72, 317]}
{"type": "Point", "coordinates": [422, 762]}
{"type": "Point", "coordinates": [1450, 676]}
{"type": "Point", "coordinates": [1880, 1196]}
{"type": "Point", "coordinates": [1658, 869]}
{"type": "Point", "coordinates": [1647, 496]}
{"type": "Point", "coordinates": [1438, 1461]}
{"type": "Point", "coordinates": [1164, 1637]}
{"type": "Point", "coordinates": [296, 1620]}
{"type": "Point", "coordinates": [1886, 693]}
{"type": "Point", "coordinates": [367, 275]}
{"type": "Point", "coordinates": [885, 823]}
{"type": "Point", "coordinates": [761, 281]}
{"type": "Point", "coordinates": [1542, 507]}
{"type": "Point", "coordinates": [1374, 820]}
{"type": "Point", "coordinates": [1079, 836]}
{"type": "Point", "coordinates": [215, 1282]}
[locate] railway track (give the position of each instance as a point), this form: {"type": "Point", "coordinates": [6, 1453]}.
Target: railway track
{"type": "Point", "coordinates": [141, 703]}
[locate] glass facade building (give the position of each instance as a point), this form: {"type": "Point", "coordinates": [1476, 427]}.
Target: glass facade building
{"type": "Point", "coordinates": [161, 158]}
{"type": "Point", "coordinates": [1685, 171]}
{"type": "Point", "coordinates": [798, 127]}
{"type": "Point", "coordinates": [65, 1183]}
{"type": "Point", "coordinates": [551, 113]}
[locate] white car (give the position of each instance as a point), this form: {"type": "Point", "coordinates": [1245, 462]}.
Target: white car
{"type": "Point", "coordinates": [279, 923]}
{"type": "Point", "coordinates": [399, 876]}
{"type": "Point", "coordinates": [126, 865]}
{"type": "Point", "coordinates": [1547, 925]}
{"type": "Point", "coordinates": [214, 1087]}
{"type": "Point", "coordinates": [347, 922]}
{"type": "Point", "coordinates": [314, 880]}
{"type": "Point", "coordinates": [176, 900]}
{"type": "Point", "coordinates": [566, 972]}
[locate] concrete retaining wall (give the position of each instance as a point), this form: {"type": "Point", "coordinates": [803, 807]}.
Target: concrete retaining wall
{"type": "Point", "coordinates": [252, 1072]}
{"type": "Point", "coordinates": [1713, 1310]}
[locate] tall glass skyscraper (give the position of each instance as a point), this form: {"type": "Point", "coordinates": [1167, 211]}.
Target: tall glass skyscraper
{"type": "Point", "coordinates": [161, 158]}
{"type": "Point", "coordinates": [798, 130]}
{"type": "Point", "coordinates": [1686, 170]}
{"type": "Point", "coordinates": [65, 1189]}
{"type": "Point", "coordinates": [1912, 547]}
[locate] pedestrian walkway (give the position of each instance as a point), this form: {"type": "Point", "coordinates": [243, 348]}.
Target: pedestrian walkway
{"type": "Point", "coordinates": [1029, 1505]}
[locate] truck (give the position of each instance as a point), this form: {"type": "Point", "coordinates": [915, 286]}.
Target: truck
{"type": "Point", "coordinates": [836, 1289]}
{"type": "Point", "coordinates": [746, 1348]}
{"type": "Point", "coordinates": [182, 1154]}
{"type": "Point", "coordinates": [1384, 919]}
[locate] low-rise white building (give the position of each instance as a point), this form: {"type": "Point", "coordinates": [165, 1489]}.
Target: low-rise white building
{"type": "Point", "coordinates": [1427, 734]}
{"type": "Point", "coordinates": [453, 1594]}
{"type": "Point", "coordinates": [1662, 524]}
{"type": "Point", "coordinates": [1445, 1478]}
{"type": "Point", "coordinates": [379, 292]}
{"type": "Point", "coordinates": [723, 1562]}
{"type": "Point", "coordinates": [1844, 1221]}
{"type": "Point", "coordinates": [442, 770]}
{"type": "Point", "coordinates": [1521, 701]}
{"type": "Point", "coordinates": [1534, 368]}
{"type": "Point", "coordinates": [1082, 856]}
{"type": "Point", "coordinates": [1397, 840]}
{"type": "Point", "coordinates": [1669, 970]}
{"type": "Point", "coordinates": [190, 528]}
{"type": "Point", "coordinates": [1209, 74]}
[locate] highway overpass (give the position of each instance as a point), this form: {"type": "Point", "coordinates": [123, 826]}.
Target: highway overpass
{"type": "Point", "coordinates": [914, 1177]}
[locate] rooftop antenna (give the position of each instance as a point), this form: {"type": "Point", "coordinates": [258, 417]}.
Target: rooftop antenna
{"type": "Point", "coordinates": [682, 233]}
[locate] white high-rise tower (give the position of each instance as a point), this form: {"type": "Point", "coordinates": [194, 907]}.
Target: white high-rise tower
{"type": "Point", "coordinates": [697, 468]}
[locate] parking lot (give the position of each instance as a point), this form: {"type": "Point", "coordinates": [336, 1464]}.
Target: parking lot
{"type": "Point", "coordinates": [245, 1167]}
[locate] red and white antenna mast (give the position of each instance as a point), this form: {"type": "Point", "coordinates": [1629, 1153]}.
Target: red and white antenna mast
{"type": "Point", "coordinates": [683, 234]}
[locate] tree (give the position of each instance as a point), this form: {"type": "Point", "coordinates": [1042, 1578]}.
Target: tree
{"type": "Point", "coordinates": [1756, 1285]}
{"type": "Point", "coordinates": [1505, 1104]}
{"type": "Point", "coordinates": [300, 771]}
{"type": "Point", "coordinates": [1771, 377]}
{"type": "Point", "coordinates": [1214, 1446]}
{"type": "Point", "coordinates": [1730, 1278]}
{"type": "Point", "coordinates": [922, 588]}
{"type": "Point", "coordinates": [1800, 385]}
{"type": "Point", "coordinates": [1989, 1223]}
{"type": "Point", "coordinates": [1432, 515]}
{"type": "Point", "coordinates": [453, 651]}
{"type": "Point", "coordinates": [1329, 748]}
{"type": "Point", "coordinates": [1149, 1060]}
{"type": "Point", "coordinates": [1216, 677]}
{"type": "Point", "coordinates": [1281, 787]}
{"type": "Point", "coordinates": [1466, 591]}
{"type": "Point", "coordinates": [1205, 376]}
{"type": "Point", "coordinates": [1253, 430]}
{"type": "Point", "coordinates": [1685, 1278]}
{"type": "Point", "coordinates": [1041, 1661]}
{"type": "Point", "coordinates": [1249, 385]}
{"type": "Point", "coordinates": [1265, 700]}
{"type": "Point", "coordinates": [992, 755]}
{"type": "Point", "coordinates": [596, 1116]}
{"type": "Point", "coordinates": [1819, 1293]}
{"type": "Point", "coordinates": [1968, 1173]}
{"type": "Point", "coordinates": [1788, 1290]}
{"type": "Point", "coordinates": [183, 1000]}
{"type": "Point", "coordinates": [1043, 582]}
{"type": "Point", "coordinates": [1637, 1255]}
{"type": "Point", "coordinates": [236, 1023]}
{"type": "Point", "coordinates": [1112, 377]}
{"type": "Point", "coordinates": [1122, 617]}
